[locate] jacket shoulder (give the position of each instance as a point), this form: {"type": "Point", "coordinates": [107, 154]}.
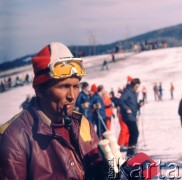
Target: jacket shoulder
{"type": "Point", "coordinates": [20, 119]}
{"type": "Point", "coordinates": [8, 123]}
{"type": "Point", "coordinates": [85, 129]}
{"type": "Point", "coordinates": [85, 126]}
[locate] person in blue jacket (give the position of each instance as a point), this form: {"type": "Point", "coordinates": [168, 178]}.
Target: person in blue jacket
{"type": "Point", "coordinates": [83, 102]}
{"type": "Point", "coordinates": [129, 107]}
{"type": "Point", "coordinates": [98, 111]}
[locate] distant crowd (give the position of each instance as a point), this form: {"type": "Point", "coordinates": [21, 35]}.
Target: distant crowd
{"type": "Point", "coordinates": [14, 81]}
{"type": "Point", "coordinates": [148, 45]}
{"type": "Point", "coordinates": [158, 91]}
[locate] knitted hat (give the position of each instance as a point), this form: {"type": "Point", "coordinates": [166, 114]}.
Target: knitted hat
{"type": "Point", "coordinates": [94, 88]}
{"type": "Point", "coordinates": [48, 54]}
{"type": "Point", "coordinates": [129, 79]}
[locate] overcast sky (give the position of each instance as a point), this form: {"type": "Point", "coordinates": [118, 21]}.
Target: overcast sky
{"type": "Point", "coordinates": [28, 25]}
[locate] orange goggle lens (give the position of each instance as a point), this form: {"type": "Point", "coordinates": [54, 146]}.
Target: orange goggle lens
{"type": "Point", "coordinates": [65, 69]}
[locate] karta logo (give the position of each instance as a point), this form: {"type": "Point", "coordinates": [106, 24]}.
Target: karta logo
{"type": "Point", "coordinates": [144, 170]}
{"type": "Point", "coordinates": [169, 170]}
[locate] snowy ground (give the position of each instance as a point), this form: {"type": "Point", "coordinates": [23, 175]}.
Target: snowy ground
{"type": "Point", "coordinates": [159, 123]}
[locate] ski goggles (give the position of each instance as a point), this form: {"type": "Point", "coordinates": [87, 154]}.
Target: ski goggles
{"type": "Point", "coordinates": [66, 67]}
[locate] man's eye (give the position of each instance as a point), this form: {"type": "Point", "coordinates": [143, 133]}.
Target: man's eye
{"type": "Point", "coordinates": [76, 86]}
{"type": "Point", "coordinates": [63, 86]}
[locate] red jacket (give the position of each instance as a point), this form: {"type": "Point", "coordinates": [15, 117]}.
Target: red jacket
{"type": "Point", "coordinates": [30, 150]}
{"type": "Point", "coordinates": [108, 107]}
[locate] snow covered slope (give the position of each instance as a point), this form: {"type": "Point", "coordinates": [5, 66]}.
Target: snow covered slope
{"type": "Point", "coordinates": [159, 123]}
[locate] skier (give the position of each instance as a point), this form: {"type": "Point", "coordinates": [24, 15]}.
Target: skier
{"type": "Point", "coordinates": [93, 90]}
{"type": "Point", "coordinates": [104, 65]}
{"type": "Point", "coordinates": [144, 93]}
{"type": "Point", "coordinates": [113, 57]}
{"type": "Point", "coordinates": [98, 111]}
{"type": "Point", "coordinates": [83, 101]}
{"type": "Point", "coordinates": [124, 134]}
{"type": "Point", "coordinates": [172, 91]}
{"type": "Point", "coordinates": [160, 91]}
{"type": "Point", "coordinates": [156, 94]}
{"type": "Point", "coordinates": [129, 108]}
{"type": "Point", "coordinates": [108, 108]}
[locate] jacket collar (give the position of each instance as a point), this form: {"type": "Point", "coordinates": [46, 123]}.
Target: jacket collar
{"type": "Point", "coordinates": [44, 123]}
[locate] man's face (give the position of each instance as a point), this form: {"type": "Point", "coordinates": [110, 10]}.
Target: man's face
{"type": "Point", "coordinates": [87, 88]}
{"type": "Point", "coordinates": [136, 86]}
{"type": "Point", "coordinates": [60, 93]}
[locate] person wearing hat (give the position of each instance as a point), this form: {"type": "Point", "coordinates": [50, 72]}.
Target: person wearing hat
{"type": "Point", "coordinates": [98, 111]}
{"type": "Point", "coordinates": [48, 140]}
{"type": "Point", "coordinates": [83, 101]}
{"type": "Point", "coordinates": [93, 90]}
{"type": "Point", "coordinates": [129, 107]}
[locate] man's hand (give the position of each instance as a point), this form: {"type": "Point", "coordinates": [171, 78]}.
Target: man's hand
{"type": "Point", "coordinates": [85, 105]}
{"type": "Point", "coordinates": [97, 106]}
{"type": "Point", "coordinates": [129, 111]}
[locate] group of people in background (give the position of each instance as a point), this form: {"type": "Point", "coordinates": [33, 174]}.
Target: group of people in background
{"type": "Point", "coordinates": [149, 45]}
{"type": "Point", "coordinates": [158, 91]}
{"type": "Point", "coordinates": [97, 105]}
{"type": "Point", "coordinates": [12, 82]}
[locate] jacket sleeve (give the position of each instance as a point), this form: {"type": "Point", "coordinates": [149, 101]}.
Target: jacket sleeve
{"type": "Point", "coordinates": [123, 101]}
{"type": "Point", "coordinates": [78, 101]}
{"type": "Point", "coordinates": [12, 155]}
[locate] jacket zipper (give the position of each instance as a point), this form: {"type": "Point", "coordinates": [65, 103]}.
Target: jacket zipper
{"type": "Point", "coordinates": [77, 166]}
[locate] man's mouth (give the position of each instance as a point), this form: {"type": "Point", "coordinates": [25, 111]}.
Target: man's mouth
{"type": "Point", "coordinates": [68, 106]}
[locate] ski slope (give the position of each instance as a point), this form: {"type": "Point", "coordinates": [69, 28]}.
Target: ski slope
{"type": "Point", "coordinates": [159, 124]}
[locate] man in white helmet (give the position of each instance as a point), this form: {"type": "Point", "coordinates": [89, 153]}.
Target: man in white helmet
{"type": "Point", "coordinates": [48, 140]}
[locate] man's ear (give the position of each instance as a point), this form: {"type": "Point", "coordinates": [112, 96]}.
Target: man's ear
{"type": "Point", "coordinates": [39, 92]}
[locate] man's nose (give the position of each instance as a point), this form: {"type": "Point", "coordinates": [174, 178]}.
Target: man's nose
{"type": "Point", "coordinates": [70, 94]}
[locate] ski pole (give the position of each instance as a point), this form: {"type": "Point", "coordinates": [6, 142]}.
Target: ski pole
{"type": "Point", "coordinates": [143, 134]}
{"type": "Point", "coordinates": [101, 119]}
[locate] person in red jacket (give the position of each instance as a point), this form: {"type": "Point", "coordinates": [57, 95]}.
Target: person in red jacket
{"type": "Point", "coordinates": [108, 108]}
{"type": "Point", "coordinates": [124, 134]}
{"type": "Point", "coordinates": [48, 140]}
